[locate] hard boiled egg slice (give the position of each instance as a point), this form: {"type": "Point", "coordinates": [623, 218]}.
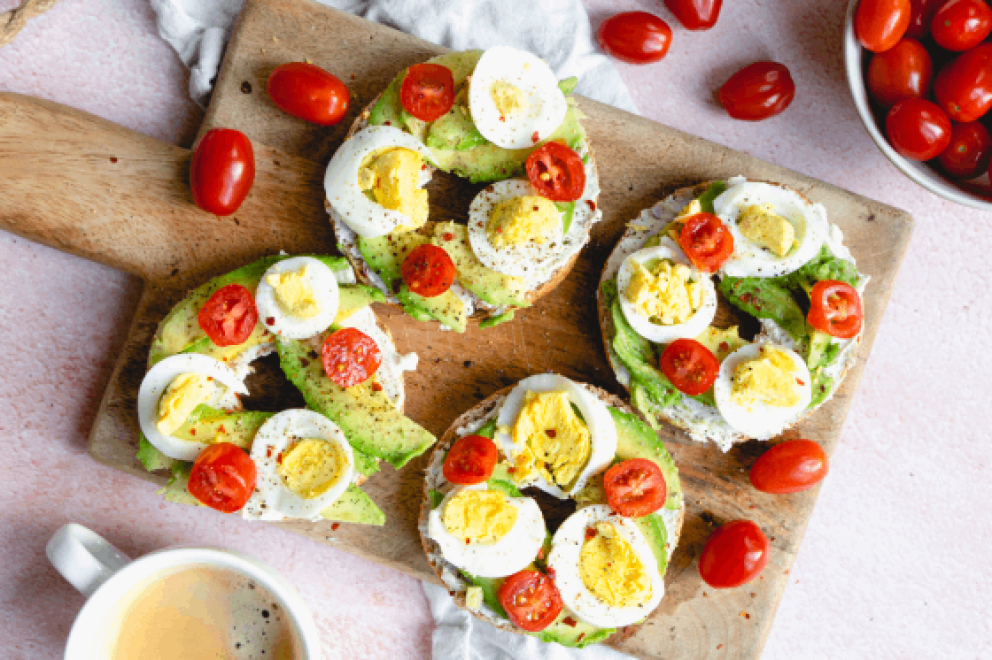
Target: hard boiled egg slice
{"type": "Point", "coordinates": [364, 216]}
{"type": "Point", "coordinates": [604, 568]}
{"type": "Point", "coordinates": [486, 533]}
{"type": "Point", "coordinates": [194, 379]}
{"type": "Point", "coordinates": [297, 297]}
{"type": "Point", "coordinates": [514, 98]}
{"type": "Point", "coordinates": [775, 230]}
{"type": "Point", "coordinates": [540, 432]}
{"type": "Point", "coordinates": [304, 464]}
{"type": "Point", "coordinates": [636, 268]}
{"type": "Point", "coordinates": [751, 400]}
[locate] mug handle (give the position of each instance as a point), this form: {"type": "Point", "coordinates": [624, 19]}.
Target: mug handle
{"type": "Point", "coordinates": [84, 558]}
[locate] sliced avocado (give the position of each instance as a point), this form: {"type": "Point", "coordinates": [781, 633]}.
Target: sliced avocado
{"type": "Point", "coordinates": [575, 633]}
{"type": "Point", "coordinates": [353, 297]}
{"type": "Point", "coordinates": [709, 196]}
{"type": "Point", "coordinates": [446, 308]}
{"type": "Point", "coordinates": [385, 254]}
{"type": "Point", "coordinates": [177, 489]}
{"type": "Point", "coordinates": [721, 342]}
{"type": "Point", "coordinates": [505, 487]}
{"type": "Point", "coordinates": [567, 210]}
{"type": "Point", "coordinates": [493, 321]}
{"type": "Point", "coordinates": [490, 286]}
{"type": "Point", "coordinates": [151, 458]}
{"type": "Point", "coordinates": [454, 131]}
{"type": "Point", "coordinates": [656, 534]}
{"type": "Point", "coordinates": [825, 266]}
{"type": "Point", "coordinates": [768, 298]}
{"type": "Point", "coordinates": [354, 506]}
{"type": "Point", "coordinates": [490, 591]}
{"type": "Point", "coordinates": [635, 439]}
{"type": "Point", "coordinates": [819, 344]}
{"type": "Point", "coordinates": [567, 86]}
{"type": "Point", "coordinates": [209, 425]}
{"type": "Point", "coordinates": [259, 335]}
{"type": "Point", "coordinates": [436, 498]}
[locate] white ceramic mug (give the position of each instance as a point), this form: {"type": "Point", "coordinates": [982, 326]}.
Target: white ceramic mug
{"type": "Point", "coordinates": [105, 575]}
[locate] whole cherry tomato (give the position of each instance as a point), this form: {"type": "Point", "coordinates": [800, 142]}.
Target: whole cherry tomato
{"type": "Point", "coordinates": [967, 156]}
{"type": "Point", "coordinates": [556, 172]}
{"type": "Point", "coordinates": [918, 129]}
{"type": "Point", "coordinates": [790, 467]}
{"type": "Point", "coordinates": [428, 271]}
{"type": "Point", "coordinates": [920, 17]}
{"type": "Point", "coordinates": [695, 14]}
{"type": "Point", "coordinates": [428, 91]}
{"type": "Point", "coordinates": [636, 37]}
{"type": "Point", "coordinates": [706, 241]}
{"type": "Point", "coordinates": [835, 308]}
{"type": "Point", "coordinates": [531, 600]}
{"type": "Point", "coordinates": [690, 366]}
{"type": "Point", "coordinates": [350, 357]}
{"type": "Point", "coordinates": [635, 487]}
{"type": "Point", "coordinates": [880, 24]}
{"type": "Point", "coordinates": [961, 24]}
{"type": "Point", "coordinates": [758, 91]}
{"type": "Point", "coordinates": [308, 92]}
{"type": "Point", "coordinates": [222, 171]}
{"type": "Point", "coordinates": [223, 477]}
{"type": "Point", "coordinates": [733, 555]}
{"type": "Point", "coordinates": [470, 460]}
{"type": "Point", "coordinates": [963, 88]}
{"type": "Point", "coordinates": [229, 316]}
{"type": "Point", "coordinates": [902, 72]}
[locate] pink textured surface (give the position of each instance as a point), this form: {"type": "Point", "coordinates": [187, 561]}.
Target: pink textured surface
{"type": "Point", "coordinates": [895, 561]}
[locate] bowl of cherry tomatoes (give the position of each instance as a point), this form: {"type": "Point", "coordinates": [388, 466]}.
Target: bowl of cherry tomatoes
{"type": "Point", "coordinates": [920, 72]}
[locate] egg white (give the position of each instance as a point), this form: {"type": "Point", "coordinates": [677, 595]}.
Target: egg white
{"type": "Point", "coordinates": [664, 334]}
{"type": "Point", "coordinates": [272, 500]}
{"type": "Point", "coordinates": [512, 553]}
{"type": "Point", "coordinates": [760, 421]}
{"type": "Point", "coordinates": [366, 218]}
{"type": "Point", "coordinates": [320, 278]}
{"type": "Point", "coordinates": [602, 431]}
{"type": "Point", "coordinates": [546, 104]}
{"type": "Point", "coordinates": [566, 547]}
{"type": "Point", "coordinates": [390, 372]}
{"type": "Point", "coordinates": [750, 259]}
{"type": "Point", "coordinates": [157, 380]}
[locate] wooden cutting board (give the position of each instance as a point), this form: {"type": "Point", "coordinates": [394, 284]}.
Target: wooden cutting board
{"type": "Point", "coordinates": [130, 208]}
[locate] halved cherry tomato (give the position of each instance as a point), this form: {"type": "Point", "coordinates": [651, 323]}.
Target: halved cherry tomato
{"type": "Point", "coordinates": [223, 477]}
{"type": "Point", "coordinates": [308, 92]}
{"type": "Point", "coordinates": [880, 24]}
{"type": "Point", "coordinates": [350, 357]}
{"type": "Point", "coordinates": [635, 487]}
{"type": "Point", "coordinates": [918, 129]}
{"type": "Point", "coordinates": [229, 316]}
{"type": "Point", "coordinates": [556, 172]}
{"type": "Point", "coordinates": [428, 271]}
{"type": "Point", "coordinates": [222, 171]}
{"type": "Point", "coordinates": [636, 37]}
{"type": "Point", "coordinates": [967, 156]}
{"type": "Point", "coordinates": [695, 14]}
{"type": "Point", "coordinates": [471, 460]}
{"type": "Point", "coordinates": [706, 241]}
{"type": "Point", "coordinates": [790, 467]}
{"type": "Point", "coordinates": [758, 91]}
{"type": "Point", "coordinates": [920, 17]}
{"type": "Point", "coordinates": [531, 600]}
{"type": "Point", "coordinates": [835, 308]}
{"type": "Point", "coordinates": [733, 555]}
{"type": "Point", "coordinates": [428, 91]}
{"type": "Point", "coordinates": [961, 24]}
{"type": "Point", "coordinates": [963, 88]}
{"type": "Point", "coordinates": [690, 366]}
{"type": "Point", "coordinates": [902, 72]}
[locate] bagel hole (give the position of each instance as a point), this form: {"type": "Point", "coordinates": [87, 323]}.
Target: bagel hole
{"type": "Point", "coordinates": [554, 510]}
{"type": "Point", "coordinates": [269, 387]}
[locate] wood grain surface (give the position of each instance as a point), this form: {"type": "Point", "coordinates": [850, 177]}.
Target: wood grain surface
{"type": "Point", "coordinates": [95, 189]}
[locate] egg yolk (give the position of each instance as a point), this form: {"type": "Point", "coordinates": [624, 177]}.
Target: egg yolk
{"type": "Point", "coordinates": [761, 225]}
{"type": "Point", "coordinates": [293, 293]}
{"type": "Point", "coordinates": [180, 398]}
{"type": "Point", "coordinates": [528, 219]}
{"type": "Point", "coordinates": [392, 179]}
{"type": "Point", "coordinates": [479, 516]}
{"type": "Point", "coordinates": [768, 379]}
{"type": "Point", "coordinates": [611, 570]}
{"type": "Point", "coordinates": [553, 441]}
{"type": "Point", "coordinates": [312, 467]}
{"type": "Point", "coordinates": [664, 292]}
{"type": "Point", "coordinates": [508, 98]}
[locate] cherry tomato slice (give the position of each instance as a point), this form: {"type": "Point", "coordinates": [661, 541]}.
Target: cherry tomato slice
{"type": "Point", "coordinates": [471, 460]}
{"type": "Point", "coordinates": [635, 487]}
{"type": "Point", "coordinates": [531, 600]}
{"type": "Point", "coordinates": [835, 308]}
{"type": "Point", "coordinates": [733, 555]}
{"type": "Point", "coordinates": [308, 92]}
{"type": "Point", "coordinates": [350, 357]}
{"type": "Point", "coordinates": [963, 88]}
{"type": "Point", "coordinates": [967, 156]}
{"type": "Point", "coordinates": [902, 72]}
{"type": "Point", "coordinates": [880, 24]}
{"type": "Point", "coordinates": [556, 172]}
{"type": "Point", "coordinates": [706, 241]}
{"type": "Point", "coordinates": [918, 129]}
{"type": "Point", "coordinates": [961, 24]}
{"type": "Point", "coordinates": [690, 366]}
{"type": "Point", "coordinates": [229, 316]}
{"type": "Point", "coordinates": [428, 271]}
{"type": "Point", "coordinates": [758, 91]}
{"type": "Point", "coordinates": [223, 477]}
{"type": "Point", "coordinates": [636, 37]}
{"type": "Point", "coordinates": [920, 17]}
{"type": "Point", "coordinates": [695, 14]}
{"type": "Point", "coordinates": [790, 467]}
{"type": "Point", "coordinates": [428, 91]}
{"type": "Point", "coordinates": [221, 171]}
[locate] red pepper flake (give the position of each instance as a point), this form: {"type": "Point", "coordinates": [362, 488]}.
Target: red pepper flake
{"type": "Point", "coordinates": [335, 526]}
{"type": "Point", "coordinates": [304, 362]}
{"type": "Point", "coordinates": [719, 646]}
{"type": "Point", "coordinates": [270, 320]}
{"type": "Point", "coordinates": [590, 533]}
{"type": "Point", "coordinates": [448, 236]}
{"type": "Point", "coordinates": [747, 298]}
{"type": "Point", "coordinates": [511, 470]}
{"type": "Point", "coordinates": [772, 539]}
{"type": "Point", "coordinates": [268, 452]}
{"type": "Point", "coordinates": [540, 553]}
{"type": "Point", "coordinates": [222, 429]}
{"type": "Point", "coordinates": [376, 387]}
{"type": "Point", "coordinates": [536, 208]}
{"type": "Point", "coordinates": [551, 433]}
{"type": "Point", "coordinates": [192, 431]}
{"type": "Point", "coordinates": [569, 621]}
{"type": "Point", "coordinates": [592, 204]}
{"type": "Point", "coordinates": [801, 382]}
{"type": "Point", "coordinates": [467, 541]}
{"type": "Point", "coordinates": [535, 138]}
{"type": "Point", "coordinates": [724, 347]}
{"type": "Point", "coordinates": [279, 458]}
{"type": "Point", "coordinates": [113, 159]}
{"type": "Point", "coordinates": [579, 638]}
